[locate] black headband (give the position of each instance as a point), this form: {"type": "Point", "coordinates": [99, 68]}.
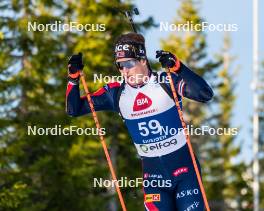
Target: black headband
{"type": "Point", "coordinates": [130, 50]}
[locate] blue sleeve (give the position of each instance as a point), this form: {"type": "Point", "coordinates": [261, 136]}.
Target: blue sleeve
{"type": "Point", "coordinates": [103, 99]}
{"type": "Point", "coordinates": [190, 85]}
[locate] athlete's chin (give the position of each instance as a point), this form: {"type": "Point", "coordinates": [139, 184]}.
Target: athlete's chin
{"type": "Point", "coordinates": [135, 84]}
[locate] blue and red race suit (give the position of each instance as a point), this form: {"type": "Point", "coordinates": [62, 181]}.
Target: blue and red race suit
{"type": "Point", "coordinates": [152, 119]}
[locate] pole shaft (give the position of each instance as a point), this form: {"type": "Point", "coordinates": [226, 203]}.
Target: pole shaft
{"type": "Point", "coordinates": [103, 142]}
{"type": "Point", "coordinates": [188, 142]}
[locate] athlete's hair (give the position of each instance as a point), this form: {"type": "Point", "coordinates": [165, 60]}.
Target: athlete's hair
{"type": "Point", "coordinates": [131, 37]}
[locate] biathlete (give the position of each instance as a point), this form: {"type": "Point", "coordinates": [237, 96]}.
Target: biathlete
{"type": "Point", "coordinates": [149, 112]}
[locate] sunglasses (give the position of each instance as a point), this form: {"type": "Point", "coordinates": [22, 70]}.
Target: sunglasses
{"type": "Point", "coordinates": [127, 64]}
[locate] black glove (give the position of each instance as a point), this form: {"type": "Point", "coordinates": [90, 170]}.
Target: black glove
{"type": "Point", "coordinates": [167, 59]}
{"type": "Point", "coordinates": [75, 64]}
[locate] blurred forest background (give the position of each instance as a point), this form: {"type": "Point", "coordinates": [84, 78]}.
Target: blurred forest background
{"type": "Point", "coordinates": [56, 172]}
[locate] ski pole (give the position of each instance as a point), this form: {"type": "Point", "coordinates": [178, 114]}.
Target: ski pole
{"type": "Point", "coordinates": [188, 140]}
{"type": "Point", "coordinates": [89, 99]}
{"type": "Point", "coordinates": [129, 16]}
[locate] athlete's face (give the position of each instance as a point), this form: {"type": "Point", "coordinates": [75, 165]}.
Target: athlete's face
{"type": "Point", "coordinates": [134, 71]}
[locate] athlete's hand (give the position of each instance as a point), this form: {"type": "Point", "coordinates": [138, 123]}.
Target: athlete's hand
{"type": "Point", "coordinates": [75, 65]}
{"type": "Point", "coordinates": [168, 60]}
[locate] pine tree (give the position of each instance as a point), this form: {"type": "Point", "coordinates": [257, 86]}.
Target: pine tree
{"type": "Point", "coordinates": [57, 172]}
{"type": "Point", "coordinates": [30, 95]}
{"type": "Point", "coordinates": [225, 178]}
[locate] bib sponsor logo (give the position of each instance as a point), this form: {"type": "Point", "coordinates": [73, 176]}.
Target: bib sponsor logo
{"type": "Point", "coordinates": [157, 146]}
{"type": "Point", "coordinates": [189, 192]}
{"type": "Point", "coordinates": [193, 206]}
{"type": "Point", "coordinates": [141, 102]}
{"type": "Point", "coordinates": [152, 197]}
{"type": "Point", "coordinates": [144, 148]}
{"type": "Point", "coordinates": [144, 112]}
{"type": "Point", "coordinates": [155, 176]}
{"type": "Point", "coordinates": [122, 47]}
{"type": "Point", "coordinates": [179, 171]}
